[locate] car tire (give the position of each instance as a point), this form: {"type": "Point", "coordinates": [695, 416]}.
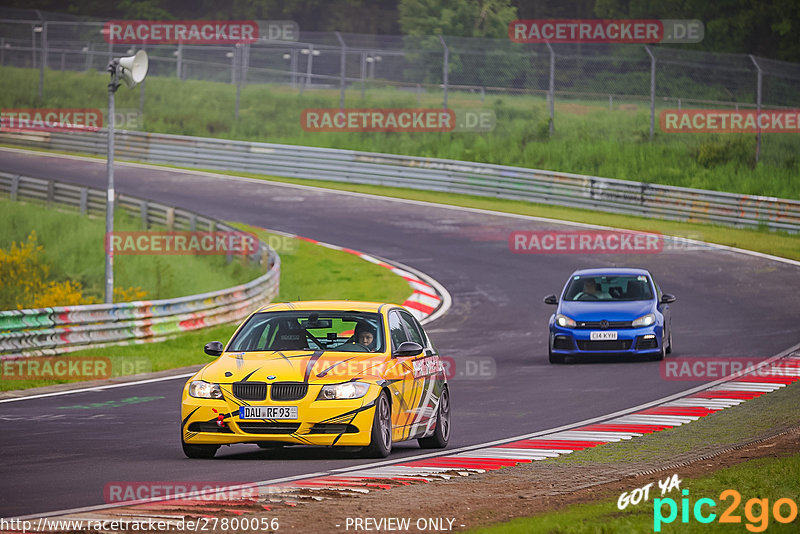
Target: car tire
{"type": "Point", "coordinates": [441, 435]}
{"type": "Point", "coordinates": [554, 358]}
{"type": "Point", "coordinates": [661, 353]}
{"type": "Point", "coordinates": [380, 444]}
{"type": "Point", "coordinates": [199, 451]}
{"type": "Point", "coordinates": [669, 347]}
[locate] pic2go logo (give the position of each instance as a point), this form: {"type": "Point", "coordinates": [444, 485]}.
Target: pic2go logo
{"type": "Point", "coordinates": [783, 510]}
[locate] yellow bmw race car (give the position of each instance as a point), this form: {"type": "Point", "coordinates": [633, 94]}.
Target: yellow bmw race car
{"type": "Point", "coordinates": [357, 374]}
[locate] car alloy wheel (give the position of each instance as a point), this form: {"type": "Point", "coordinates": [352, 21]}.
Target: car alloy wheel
{"type": "Point", "coordinates": [381, 441]}
{"type": "Point", "coordinates": [441, 435]}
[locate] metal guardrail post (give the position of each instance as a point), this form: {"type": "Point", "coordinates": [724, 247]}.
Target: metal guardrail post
{"type": "Point", "coordinates": [14, 187]}
{"type": "Point", "coordinates": [758, 106]}
{"type": "Point", "coordinates": [652, 91]}
{"type": "Point", "coordinates": [84, 207]}
{"type": "Point", "coordinates": [143, 213]}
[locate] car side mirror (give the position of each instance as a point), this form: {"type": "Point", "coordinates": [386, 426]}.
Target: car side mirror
{"type": "Point", "coordinates": [666, 298]}
{"type": "Point", "coordinates": [213, 348]}
{"type": "Point", "coordinates": [551, 299]}
{"type": "Point", "coordinates": [408, 348]}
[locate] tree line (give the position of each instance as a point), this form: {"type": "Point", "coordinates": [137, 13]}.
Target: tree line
{"type": "Point", "coordinates": [768, 28]}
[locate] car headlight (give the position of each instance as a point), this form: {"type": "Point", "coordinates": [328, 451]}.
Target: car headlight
{"type": "Point", "coordinates": [563, 320]}
{"type": "Point", "coordinates": [644, 320]}
{"type": "Point", "coordinates": [204, 390]}
{"type": "Point", "coordinates": [348, 390]}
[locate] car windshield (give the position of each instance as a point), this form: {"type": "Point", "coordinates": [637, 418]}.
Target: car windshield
{"type": "Point", "coordinates": [609, 288]}
{"type": "Point", "coordinates": [343, 331]}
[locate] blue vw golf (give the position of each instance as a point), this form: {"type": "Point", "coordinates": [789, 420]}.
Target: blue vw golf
{"type": "Point", "coordinates": [610, 311]}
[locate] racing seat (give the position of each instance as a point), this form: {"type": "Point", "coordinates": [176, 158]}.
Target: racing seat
{"type": "Point", "coordinates": [289, 337]}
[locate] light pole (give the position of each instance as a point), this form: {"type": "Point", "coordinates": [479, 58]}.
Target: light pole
{"type": "Point", "coordinates": [310, 52]}
{"type": "Point", "coordinates": [131, 70]}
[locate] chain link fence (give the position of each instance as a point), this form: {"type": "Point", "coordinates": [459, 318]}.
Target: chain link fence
{"type": "Point", "coordinates": [664, 77]}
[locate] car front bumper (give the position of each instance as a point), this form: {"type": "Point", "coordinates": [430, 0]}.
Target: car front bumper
{"type": "Point", "coordinates": [645, 341]}
{"type": "Point", "coordinates": [346, 422]}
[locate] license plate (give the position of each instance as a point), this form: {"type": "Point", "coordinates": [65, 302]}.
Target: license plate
{"type": "Point", "coordinates": [609, 335]}
{"type": "Point", "coordinates": [267, 412]}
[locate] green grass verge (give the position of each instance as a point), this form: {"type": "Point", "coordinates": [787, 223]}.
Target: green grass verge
{"type": "Point", "coordinates": [311, 272]}
{"type": "Point", "coordinates": [81, 256]}
{"type": "Point", "coordinates": [772, 478]}
{"type": "Point", "coordinates": [589, 138]}
{"type": "Point", "coordinates": [764, 478]}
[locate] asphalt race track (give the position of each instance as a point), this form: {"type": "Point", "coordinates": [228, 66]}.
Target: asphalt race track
{"type": "Point", "coordinates": [59, 452]}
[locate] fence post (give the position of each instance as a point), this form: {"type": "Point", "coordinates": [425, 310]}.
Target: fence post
{"type": "Point", "coordinates": [238, 60]}
{"type": "Point", "coordinates": [363, 71]}
{"type": "Point", "coordinates": [245, 63]}
{"type": "Point", "coordinates": [342, 61]}
{"type": "Point", "coordinates": [551, 91]}
{"type": "Point", "coordinates": [445, 68]}
{"type": "Point", "coordinates": [758, 106]}
{"type": "Point", "coordinates": [141, 96]}
{"type": "Point", "coordinates": [179, 61]}
{"type": "Point", "coordinates": [652, 91]}
{"type": "Point", "coordinates": [33, 45]}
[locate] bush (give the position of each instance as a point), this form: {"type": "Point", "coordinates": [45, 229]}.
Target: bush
{"type": "Point", "coordinates": [24, 281]}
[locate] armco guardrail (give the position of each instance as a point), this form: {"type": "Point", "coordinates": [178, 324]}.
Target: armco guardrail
{"type": "Point", "coordinates": [63, 329]}
{"type": "Point", "coordinates": [516, 183]}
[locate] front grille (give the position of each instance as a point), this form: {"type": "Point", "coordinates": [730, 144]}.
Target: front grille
{"type": "Point", "coordinates": [288, 391]}
{"type": "Point", "coordinates": [250, 391]}
{"type": "Point", "coordinates": [563, 343]}
{"type": "Point", "coordinates": [619, 344]}
{"type": "Point", "coordinates": [269, 428]}
{"type": "Point", "coordinates": [325, 428]}
{"type": "Point", "coordinates": [208, 427]}
{"type": "Point", "coordinates": [598, 324]}
{"type": "Point", "coordinates": [642, 343]}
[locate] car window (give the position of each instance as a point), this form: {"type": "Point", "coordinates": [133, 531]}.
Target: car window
{"type": "Point", "coordinates": [342, 331]}
{"type": "Point", "coordinates": [413, 330]}
{"type": "Point", "coordinates": [591, 288]}
{"type": "Point", "coordinates": [396, 329]}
